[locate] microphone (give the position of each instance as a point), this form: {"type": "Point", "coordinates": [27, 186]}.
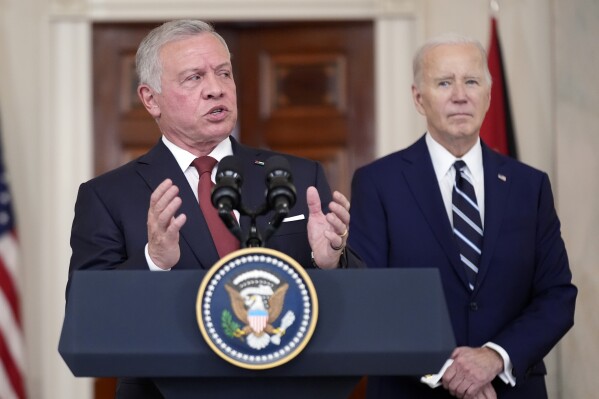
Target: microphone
{"type": "Point", "coordinates": [226, 194]}
{"type": "Point", "coordinates": [280, 194]}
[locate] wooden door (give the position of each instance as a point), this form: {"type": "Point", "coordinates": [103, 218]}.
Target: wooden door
{"type": "Point", "coordinates": [303, 88]}
{"type": "Point", "coordinates": [307, 89]}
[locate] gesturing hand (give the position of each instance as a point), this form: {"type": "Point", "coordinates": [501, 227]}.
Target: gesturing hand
{"type": "Point", "coordinates": [163, 226]}
{"type": "Point", "coordinates": [328, 233]}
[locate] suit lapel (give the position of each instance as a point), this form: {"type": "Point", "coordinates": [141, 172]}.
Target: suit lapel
{"type": "Point", "coordinates": [422, 181]}
{"type": "Point", "coordinates": [158, 165]}
{"type": "Point", "coordinates": [497, 187]}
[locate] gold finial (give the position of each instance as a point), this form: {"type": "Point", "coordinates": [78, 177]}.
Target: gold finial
{"type": "Point", "coordinates": [494, 7]}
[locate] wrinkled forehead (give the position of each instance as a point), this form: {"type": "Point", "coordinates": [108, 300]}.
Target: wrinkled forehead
{"type": "Point", "coordinates": [454, 59]}
{"type": "Point", "coordinates": [193, 50]}
{"type": "Point", "coordinates": [202, 40]}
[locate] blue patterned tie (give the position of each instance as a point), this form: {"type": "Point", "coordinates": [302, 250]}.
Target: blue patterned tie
{"type": "Point", "coordinates": [467, 225]}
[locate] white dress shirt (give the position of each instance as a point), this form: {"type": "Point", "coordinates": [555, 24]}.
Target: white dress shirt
{"type": "Point", "coordinates": [184, 159]}
{"type": "Point", "coordinates": [443, 162]}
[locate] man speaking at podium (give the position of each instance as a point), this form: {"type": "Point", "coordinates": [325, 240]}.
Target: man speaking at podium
{"type": "Point", "coordinates": [145, 214]}
{"type": "Point", "coordinates": [486, 221]}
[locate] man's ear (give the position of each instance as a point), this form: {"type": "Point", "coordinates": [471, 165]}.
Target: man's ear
{"type": "Point", "coordinates": [148, 99]}
{"type": "Point", "coordinates": [417, 97]}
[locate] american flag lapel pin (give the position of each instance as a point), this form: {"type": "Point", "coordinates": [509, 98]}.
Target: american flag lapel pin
{"type": "Point", "coordinates": [501, 177]}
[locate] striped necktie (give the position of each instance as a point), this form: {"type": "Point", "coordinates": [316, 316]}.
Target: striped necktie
{"type": "Point", "coordinates": [467, 225]}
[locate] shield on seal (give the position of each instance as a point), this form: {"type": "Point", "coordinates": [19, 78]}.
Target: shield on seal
{"type": "Point", "coordinates": [257, 319]}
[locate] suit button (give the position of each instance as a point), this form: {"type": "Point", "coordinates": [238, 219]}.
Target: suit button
{"type": "Point", "coordinates": [473, 306]}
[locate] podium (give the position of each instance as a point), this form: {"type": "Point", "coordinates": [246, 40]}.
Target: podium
{"type": "Point", "coordinates": [143, 324]}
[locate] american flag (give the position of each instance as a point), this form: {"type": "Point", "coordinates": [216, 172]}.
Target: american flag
{"type": "Point", "coordinates": [11, 332]}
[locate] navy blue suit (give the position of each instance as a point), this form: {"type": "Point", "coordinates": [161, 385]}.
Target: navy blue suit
{"type": "Point", "coordinates": [110, 224]}
{"type": "Point", "coordinates": [524, 299]}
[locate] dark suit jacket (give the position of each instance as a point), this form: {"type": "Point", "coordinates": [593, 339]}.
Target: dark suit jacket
{"type": "Point", "coordinates": [524, 299]}
{"type": "Point", "coordinates": [110, 224]}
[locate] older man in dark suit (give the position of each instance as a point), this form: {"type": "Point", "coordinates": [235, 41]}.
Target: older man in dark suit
{"type": "Point", "coordinates": [145, 214]}
{"type": "Point", "coordinates": [486, 221]}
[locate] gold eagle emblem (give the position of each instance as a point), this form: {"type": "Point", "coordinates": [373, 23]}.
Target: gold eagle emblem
{"type": "Point", "coordinates": [257, 305]}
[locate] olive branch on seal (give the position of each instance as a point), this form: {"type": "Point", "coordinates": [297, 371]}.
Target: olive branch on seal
{"type": "Point", "coordinates": [230, 327]}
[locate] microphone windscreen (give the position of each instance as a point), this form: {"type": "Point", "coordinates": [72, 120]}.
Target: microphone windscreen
{"type": "Point", "coordinates": [229, 163]}
{"type": "Point", "coordinates": [277, 162]}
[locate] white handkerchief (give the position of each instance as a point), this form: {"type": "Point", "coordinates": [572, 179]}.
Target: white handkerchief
{"type": "Point", "coordinates": [433, 380]}
{"type": "Point", "coordinates": [294, 218]}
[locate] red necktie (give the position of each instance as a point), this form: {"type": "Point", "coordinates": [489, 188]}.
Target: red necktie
{"type": "Point", "coordinates": [224, 241]}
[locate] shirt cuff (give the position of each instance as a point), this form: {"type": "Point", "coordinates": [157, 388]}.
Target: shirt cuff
{"type": "Point", "coordinates": [506, 375]}
{"type": "Point", "coordinates": [434, 380]}
{"type": "Point", "coordinates": [151, 265]}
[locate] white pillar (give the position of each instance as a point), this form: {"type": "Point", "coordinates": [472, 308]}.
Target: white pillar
{"type": "Point", "coordinates": [66, 161]}
{"type": "Point", "coordinates": [397, 122]}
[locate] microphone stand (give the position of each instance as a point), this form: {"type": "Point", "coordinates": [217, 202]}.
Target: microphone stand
{"type": "Point", "coordinates": [280, 195]}
{"type": "Point", "coordinates": [254, 237]}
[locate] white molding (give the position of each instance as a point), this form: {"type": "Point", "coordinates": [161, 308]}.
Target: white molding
{"type": "Point", "coordinates": [230, 10]}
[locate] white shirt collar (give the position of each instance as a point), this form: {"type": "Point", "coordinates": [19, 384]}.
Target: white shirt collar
{"type": "Point", "coordinates": [443, 160]}
{"type": "Point", "coordinates": [184, 158]}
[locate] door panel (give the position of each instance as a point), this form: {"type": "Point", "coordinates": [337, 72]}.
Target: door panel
{"type": "Point", "coordinates": [123, 129]}
{"type": "Point", "coordinates": [307, 89]}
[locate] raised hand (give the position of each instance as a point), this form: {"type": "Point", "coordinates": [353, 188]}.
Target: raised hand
{"type": "Point", "coordinates": [163, 226]}
{"type": "Point", "coordinates": [328, 233]}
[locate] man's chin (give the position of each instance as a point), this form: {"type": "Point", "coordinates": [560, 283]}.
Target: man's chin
{"type": "Point", "coordinates": [463, 130]}
{"type": "Point", "coordinates": [221, 131]}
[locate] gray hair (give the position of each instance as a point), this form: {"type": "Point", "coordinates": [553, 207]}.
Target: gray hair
{"type": "Point", "coordinates": [147, 59]}
{"type": "Point", "coordinates": [447, 39]}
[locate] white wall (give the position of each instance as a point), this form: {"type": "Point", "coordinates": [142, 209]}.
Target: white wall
{"type": "Point", "coordinates": [550, 52]}
{"type": "Point", "coordinates": [576, 97]}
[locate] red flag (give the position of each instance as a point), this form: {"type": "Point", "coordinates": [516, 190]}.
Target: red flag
{"type": "Point", "coordinates": [12, 357]}
{"type": "Point", "coordinates": [497, 130]}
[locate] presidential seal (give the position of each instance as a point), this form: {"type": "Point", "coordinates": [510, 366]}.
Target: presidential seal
{"type": "Point", "coordinates": [257, 308]}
